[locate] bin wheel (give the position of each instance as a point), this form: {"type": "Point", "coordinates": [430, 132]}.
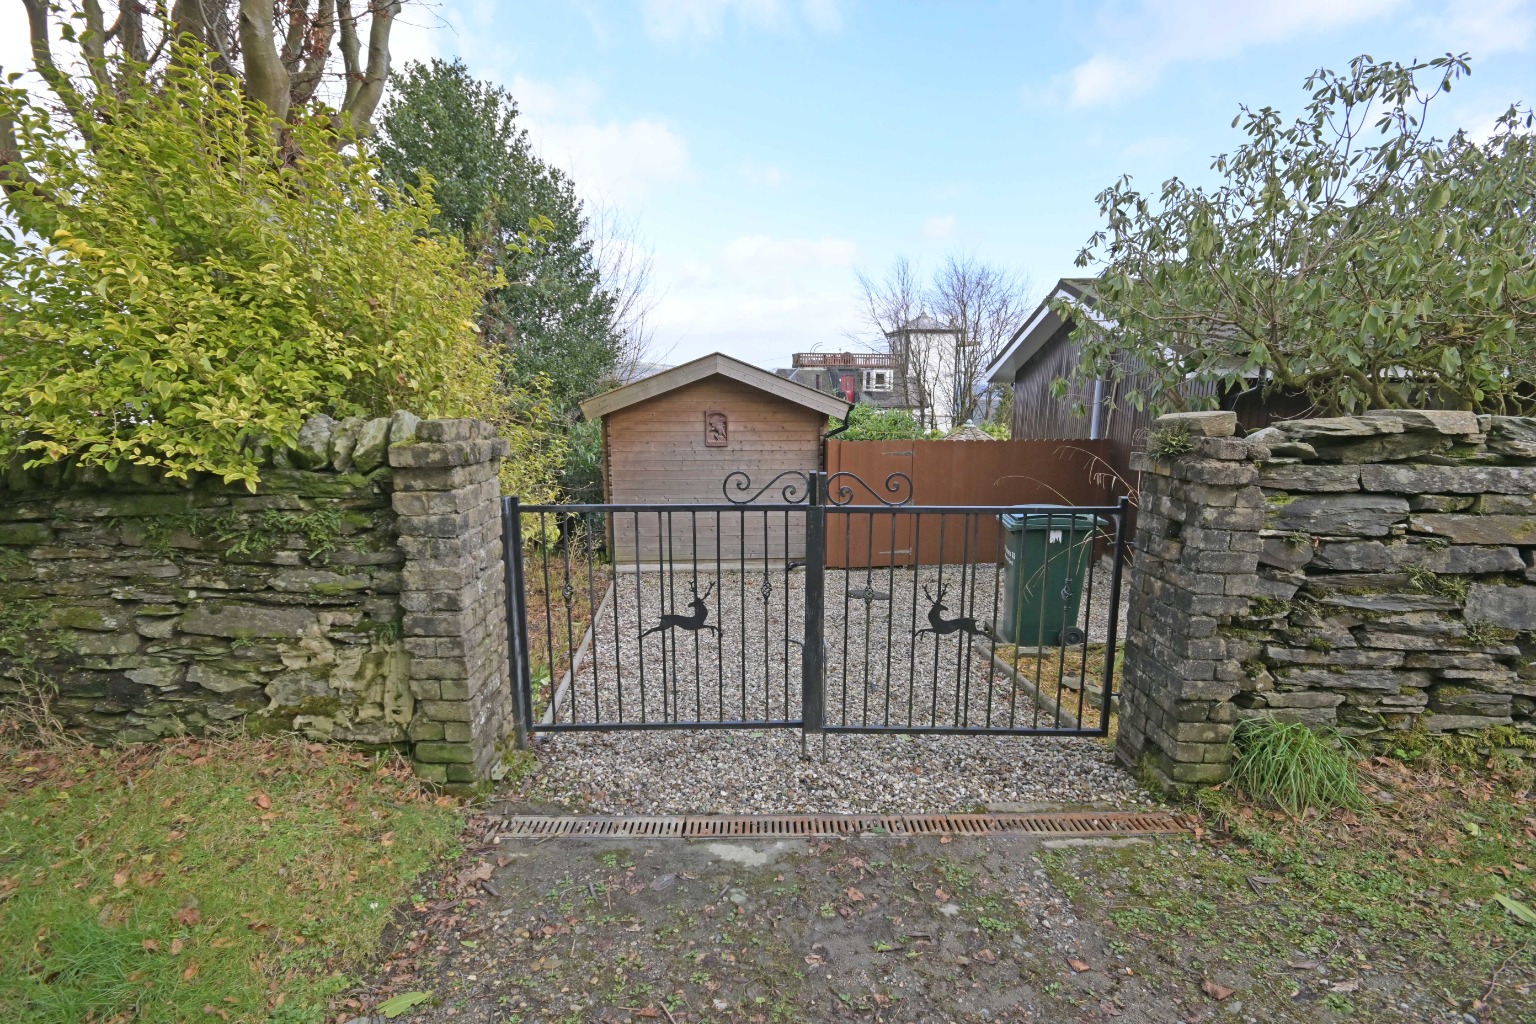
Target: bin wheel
{"type": "Point", "coordinates": [1071, 636]}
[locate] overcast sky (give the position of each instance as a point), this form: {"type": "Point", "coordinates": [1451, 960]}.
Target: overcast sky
{"type": "Point", "coordinates": [768, 150]}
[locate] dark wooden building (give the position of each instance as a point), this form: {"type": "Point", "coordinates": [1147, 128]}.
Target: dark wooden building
{"type": "Point", "coordinates": [1042, 351]}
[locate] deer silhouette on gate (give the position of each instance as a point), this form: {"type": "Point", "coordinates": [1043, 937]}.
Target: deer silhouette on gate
{"type": "Point", "coordinates": [694, 620]}
{"type": "Point", "coordinates": [938, 625]}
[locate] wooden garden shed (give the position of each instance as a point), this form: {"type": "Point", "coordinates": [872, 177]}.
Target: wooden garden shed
{"type": "Point", "coordinates": [675, 436]}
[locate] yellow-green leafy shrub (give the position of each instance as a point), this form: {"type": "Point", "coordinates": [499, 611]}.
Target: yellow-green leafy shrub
{"type": "Point", "coordinates": [187, 290]}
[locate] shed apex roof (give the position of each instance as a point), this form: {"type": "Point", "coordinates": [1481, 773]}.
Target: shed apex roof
{"type": "Point", "coordinates": [716, 363]}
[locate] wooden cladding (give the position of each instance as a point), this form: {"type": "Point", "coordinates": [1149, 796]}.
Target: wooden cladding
{"type": "Point", "coordinates": [680, 446]}
{"type": "Point", "coordinates": [1072, 472]}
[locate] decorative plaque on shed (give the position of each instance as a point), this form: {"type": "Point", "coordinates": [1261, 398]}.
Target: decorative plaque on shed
{"type": "Point", "coordinates": [717, 429]}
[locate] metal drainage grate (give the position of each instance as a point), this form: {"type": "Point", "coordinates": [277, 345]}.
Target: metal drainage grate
{"type": "Point", "coordinates": [1108, 823]}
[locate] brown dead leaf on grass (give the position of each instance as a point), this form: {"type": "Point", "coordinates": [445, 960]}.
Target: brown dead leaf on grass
{"type": "Point", "coordinates": [1215, 990]}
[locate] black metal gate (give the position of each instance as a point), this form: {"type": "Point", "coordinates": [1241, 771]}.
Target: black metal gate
{"type": "Point", "coordinates": [935, 619]}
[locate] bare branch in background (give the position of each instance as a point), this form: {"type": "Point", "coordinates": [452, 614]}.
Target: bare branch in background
{"type": "Point", "coordinates": [364, 100]}
{"type": "Point", "coordinates": [890, 304]}
{"type": "Point", "coordinates": [981, 304]}
{"type": "Point", "coordinates": [986, 303]}
{"type": "Point", "coordinates": [625, 267]}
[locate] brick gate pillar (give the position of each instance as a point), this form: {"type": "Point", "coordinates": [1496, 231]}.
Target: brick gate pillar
{"type": "Point", "coordinates": [447, 497]}
{"type": "Point", "coordinates": [1194, 568]}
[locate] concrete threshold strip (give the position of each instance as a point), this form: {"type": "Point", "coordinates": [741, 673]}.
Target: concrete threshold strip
{"type": "Point", "coordinates": [777, 826]}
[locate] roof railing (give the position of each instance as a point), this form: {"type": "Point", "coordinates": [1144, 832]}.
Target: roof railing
{"type": "Point", "coordinates": [855, 360]}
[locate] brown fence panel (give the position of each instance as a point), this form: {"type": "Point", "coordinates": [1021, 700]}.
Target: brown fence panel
{"type": "Point", "coordinates": [1066, 472]}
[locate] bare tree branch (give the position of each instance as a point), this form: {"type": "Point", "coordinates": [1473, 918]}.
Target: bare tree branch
{"type": "Point", "coordinates": [315, 50]}
{"type": "Point", "coordinates": [360, 105]}
{"type": "Point", "coordinates": [42, 55]}
{"type": "Point", "coordinates": [207, 21]}
{"type": "Point", "coordinates": [351, 54]}
{"type": "Point", "coordinates": [265, 77]}
{"type": "Point", "coordinates": [130, 32]}
{"type": "Point", "coordinates": [93, 44]}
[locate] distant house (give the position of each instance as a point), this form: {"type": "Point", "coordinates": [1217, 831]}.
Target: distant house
{"type": "Point", "coordinates": [1042, 350]}
{"type": "Point", "coordinates": [873, 378]}
{"type": "Point", "coordinates": [935, 358]}
{"type": "Point", "coordinates": [924, 370]}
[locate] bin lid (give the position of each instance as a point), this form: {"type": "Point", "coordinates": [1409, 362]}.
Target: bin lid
{"type": "Point", "coordinates": [1066, 519]}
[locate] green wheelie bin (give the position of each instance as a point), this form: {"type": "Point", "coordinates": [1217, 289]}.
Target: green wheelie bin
{"type": "Point", "coordinates": [1046, 556]}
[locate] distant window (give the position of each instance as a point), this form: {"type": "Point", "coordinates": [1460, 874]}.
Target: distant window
{"type": "Point", "coordinates": [877, 380]}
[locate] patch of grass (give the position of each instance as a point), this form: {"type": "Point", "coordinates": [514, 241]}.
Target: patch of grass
{"type": "Point", "coordinates": [1291, 766]}
{"type": "Point", "coordinates": [236, 879]}
{"type": "Point", "coordinates": [1402, 901]}
{"type": "Point", "coordinates": [1482, 634]}
{"type": "Point", "coordinates": [1060, 674]}
{"type": "Point", "coordinates": [1430, 582]}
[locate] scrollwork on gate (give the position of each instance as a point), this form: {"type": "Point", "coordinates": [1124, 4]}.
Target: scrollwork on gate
{"type": "Point", "coordinates": [895, 485]}
{"type": "Point", "coordinates": [795, 492]}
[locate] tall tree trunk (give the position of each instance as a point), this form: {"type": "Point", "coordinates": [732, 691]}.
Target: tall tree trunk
{"type": "Point", "coordinates": [265, 77]}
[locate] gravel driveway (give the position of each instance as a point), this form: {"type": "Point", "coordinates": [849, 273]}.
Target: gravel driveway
{"type": "Point", "coordinates": [884, 666]}
{"type": "Point", "coordinates": [733, 650]}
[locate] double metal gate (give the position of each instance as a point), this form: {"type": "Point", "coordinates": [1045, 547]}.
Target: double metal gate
{"type": "Point", "coordinates": [936, 619]}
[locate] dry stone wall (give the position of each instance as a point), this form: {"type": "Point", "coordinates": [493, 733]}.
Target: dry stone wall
{"type": "Point", "coordinates": [355, 596]}
{"type": "Point", "coordinates": [1374, 574]}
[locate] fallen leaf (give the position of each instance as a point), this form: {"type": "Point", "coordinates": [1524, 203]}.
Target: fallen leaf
{"type": "Point", "coordinates": [120, 879]}
{"type": "Point", "coordinates": [1215, 990]}
{"type": "Point", "coordinates": [396, 1005]}
{"type": "Point", "coordinates": [647, 1011]}
{"type": "Point", "coordinates": [1351, 985]}
{"type": "Point", "coordinates": [480, 872]}
{"type": "Point", "coordinates": [190, 972]}
{"type": "Point", "coordinates": [945, 840]}
{"type": "Point", "coordinates": [177, 946]}
{"type": "Point", "coordinates": [1079, 966]}
{"type": "Point", "coordinates": [189, 916]}
{"type": "Point", "coordinates": [854, 896]}
{"type": "Point", "coordinates": [263, 801]}
{"type": "Point", "coordinates": [150, 945]}
{"type": "Point", "coordinates": [1518, 910]}
{"type": "Point", "coordinates": [940, 894]}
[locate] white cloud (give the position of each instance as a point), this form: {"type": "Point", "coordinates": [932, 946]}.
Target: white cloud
{"type": "Point", "coordinates": [760, 299]}
{"type": "Point", "coordinates": [1485, 27]}
{"type": "Point", "coordinates": [761, 175]}
{"type": "Point", "coordinates": [416, 34]}
{"type": "Point", "coordinates": [671, 20]}
{"type": "Point", "coordinates": [937, 228]}
{"type": "Point", "coordinates": [610, 160]}
{"type": "Point", "coordinates": [1144, 43]}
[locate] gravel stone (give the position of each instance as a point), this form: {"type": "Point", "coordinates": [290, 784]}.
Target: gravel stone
{"type": "Point", "coordinates": [750, 673]}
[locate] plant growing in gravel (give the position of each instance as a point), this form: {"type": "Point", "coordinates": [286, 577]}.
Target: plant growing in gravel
{"type": "Point", "coordinates": [1295, 768]}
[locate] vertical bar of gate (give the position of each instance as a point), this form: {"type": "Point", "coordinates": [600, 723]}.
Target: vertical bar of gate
{"type": "Point", "coordinates": [812, 654]}
{"type": "Point", "coordinates": [517, 622]}
{"type": "Point", "coordinates": [1113, 628]}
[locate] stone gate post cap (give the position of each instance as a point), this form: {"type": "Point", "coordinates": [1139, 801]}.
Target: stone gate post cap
{"type": "Point", "coordinates": [1201, 424]}
{"type": "Point", "coordinates": [1431, 421]}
